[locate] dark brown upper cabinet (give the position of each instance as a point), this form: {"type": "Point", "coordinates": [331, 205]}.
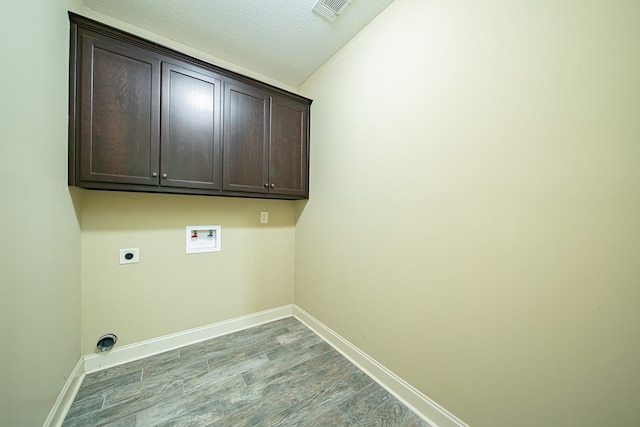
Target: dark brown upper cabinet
{"type": "Point", "coordinates": [146, 118]}
{"type": "Point", "coordinates": [190, 154]}
{"type": "Point", "coordinates": [246, 139]}
{"type": "Point", "coordinates": [119, 112]}
{"type": "Point", "coordinates": [265, 142]}
{"type": "Point", "coordinates": [288, 145]}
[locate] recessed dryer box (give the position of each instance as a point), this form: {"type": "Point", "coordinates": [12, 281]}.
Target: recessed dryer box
{"type": "Point", "coordinates": [203, 238]}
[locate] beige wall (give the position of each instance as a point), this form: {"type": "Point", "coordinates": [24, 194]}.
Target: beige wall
{"type": "Point", "coordinates": [169, 291]}
{"type": "Point", "coordinates": [40, 234]}
{"type": "Point", "coordinates": [474, 221]}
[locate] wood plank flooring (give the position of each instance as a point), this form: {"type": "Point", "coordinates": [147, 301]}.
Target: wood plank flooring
{"type": "Point", "coordinates": [276, 374]}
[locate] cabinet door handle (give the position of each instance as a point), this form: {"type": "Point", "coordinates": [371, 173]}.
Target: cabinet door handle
{"type": "Point", "coordinates": [154, 175]}
{"type": "Point", "coordinates": [164, 176]}
{"type": "Point", "coordinates": [273, 186]}
{"type": "Point", "coordinates": [266, 185]}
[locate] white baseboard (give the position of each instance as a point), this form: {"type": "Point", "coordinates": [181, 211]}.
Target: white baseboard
{"type": "Point", "coordinates": [429, 410]}
{"type": "Point", "coordinates": [131, 352]}
{"type": "Point", "coordinates": [66, 396]}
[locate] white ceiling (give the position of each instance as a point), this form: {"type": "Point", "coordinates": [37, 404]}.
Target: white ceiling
{"type": "Point", "coordinates": [283, 40]}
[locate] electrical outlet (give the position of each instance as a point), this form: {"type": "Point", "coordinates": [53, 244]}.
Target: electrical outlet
{"type": "Point", "coordinates": [264, 217]}
{"type": "Point", "coordinates": [129, 256]}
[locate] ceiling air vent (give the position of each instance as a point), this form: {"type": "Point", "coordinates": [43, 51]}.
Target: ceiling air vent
{"type": "Point", "coordinates": [330, 9]}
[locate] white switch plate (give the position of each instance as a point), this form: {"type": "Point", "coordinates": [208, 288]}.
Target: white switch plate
{"type": "Point", "coordinates": [264, 217]}
{"type": "Point", "coordinates": [129, 256]}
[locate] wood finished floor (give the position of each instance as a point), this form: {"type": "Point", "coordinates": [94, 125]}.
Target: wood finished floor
{"type": "Point", "coordinates": [276, 374]}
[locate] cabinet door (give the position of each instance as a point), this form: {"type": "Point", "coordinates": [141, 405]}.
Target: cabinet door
{"type": "Point", "coordinates": [288, 152]}
{"type": "Point", "coordinates": [120, 111]}
{"type": "Point", "coordinates": [190, 128]}
{"type": "Point", "coordinates": [246, 133]}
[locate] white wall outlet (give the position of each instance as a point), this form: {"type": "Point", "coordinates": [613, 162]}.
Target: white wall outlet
{"type": "Point", "coordinates": [129, 256]}
{"type": "Point", "coordinates": [264, 217]}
